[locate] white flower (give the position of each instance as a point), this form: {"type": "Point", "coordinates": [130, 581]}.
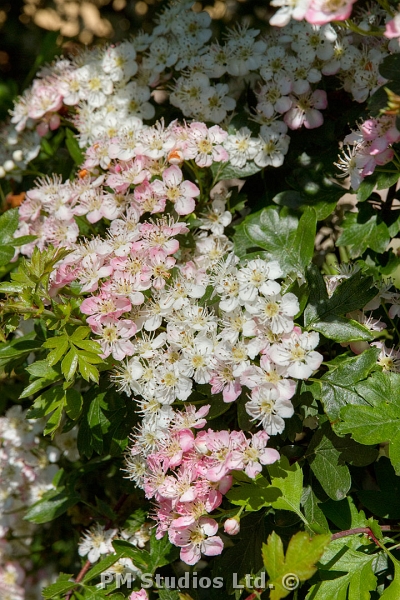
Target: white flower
{"type": "Point", "coordinates": [241, 147]}
{"type": "Point", "coordinates": [274, 146]}
{"type": "Point", "coordinates": [296, 352]}
{"type": "Point", "coordinates": [96, 541]}
{"type": "Point", "coordinates": [268, 409]}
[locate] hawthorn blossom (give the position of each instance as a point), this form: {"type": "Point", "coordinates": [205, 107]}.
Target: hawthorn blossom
{"type": "Point", "coordinates": [96, 541]}
{"type": "Point", "coordinates": [177, 191]}
{"type": "Point", "coordinates": [197, 539]}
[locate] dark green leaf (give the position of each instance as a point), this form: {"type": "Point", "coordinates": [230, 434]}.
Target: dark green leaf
{"type": "Point", "coordinates": [360, 234]}
{"type": "Point", "coordinates": [53, 504]}
{"type": "Point", "coordinates": [338, 387]}
{"type": "Point", "coordinates": [326, 464]}
{"type": "Point", "coordinates": [6, 254]}
{"type": "Point", "coordinates": [73, 148]}
{"type": "Point", "coordinates": [8, 226]}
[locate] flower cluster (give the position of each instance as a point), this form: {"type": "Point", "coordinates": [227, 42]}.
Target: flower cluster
{"type": "Point", "coordinates": [188, 474]}
{"type": "Point", "coordinates": [203, 78]}
{"type": "Point", "coordinates": [367, 148]}
{"type": "Point", "coordinates": [26, 473]}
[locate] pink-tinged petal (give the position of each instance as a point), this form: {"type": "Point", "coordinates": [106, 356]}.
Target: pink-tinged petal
{"type": "Point", "coordinates": [185, 206]}
{"type": "Point", "coordinates": [186, 439]}
{"type": "Point", "coordinates": [393, 28]}
{"type": "Point", "coordinates": [313, 119]}
{"type": "Point", "coordinates": [225, 484]}
{"type": "Point", "coordinates": [189, 496]}
{"type": "Point", "coordinates": [384, 157]}
{"type": "Point", "coordinates": [269, 456]}
{"type": "Point", "coordinates": [187, 188]}
{"type": "Point", "coordinates": [190, 554]}
{"type": "Point", "coordinates": [253, 469]}
{"type": "Point", "coordinates": [140, 595]}
{"type": "Point", "coordinates": [231, 391]}
{"type": "Point", "coordinates": [294, 118]}
{"type": "Point", "coordinates": [172, 176]}
{"type": "Point", "coordinates": [183, 521]}
{"type": "Point", "coordinates": [319, 99]}
{"type": "Point", "coordinates": [219, 154]}
{"type": "Point", "coordinates": [378, 145]}
{"type": "Point", "coordinates": [213, 546]}
{"type": "Point", "coordinates": [209, 526]}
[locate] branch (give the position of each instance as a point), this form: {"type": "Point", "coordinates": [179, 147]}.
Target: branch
{"type": "Point", "coordinates": [79, 577]}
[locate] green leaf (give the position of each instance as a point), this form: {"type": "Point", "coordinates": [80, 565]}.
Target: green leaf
{"type": "Point", "coordinates": [103, 565]}
{"type": "Point", "coordinates": [285, 239]}
{"type": "Point", "coordinates": [342, 330]}
{"type": "Point", "coordinates": [299, 564]}
{"type": "Point", "coordinates": [162, 552]}
{"type": "Point", "coordinates": [393, 591]}
{"type": "Point", "coordinates": [313, 512]}
{"type": "Point", "coordinates": [326, 464]}
{"type": "Point", "coordinates": [254, 495]}
{"type": "Point", "coordinates": [346, 574]}
{"type": "Point", "coordinates": [60, 346]}
{"type": "Point", "coordinates": [289, 480]}
{"type": "Point", "coordinates": [270, 230]}
{"type": "Point", "coordinates": [69, 364]}
{"type": "Point", "coordinates": [384, 502]}
{"type": "Point", "coordinates": [227, 171]}
{"type": "Point", "coordinates": [73, 403]}
{"type": "Point", "coordinates": [389, 68]}
{"type": "Point", "coordinates": [338, 387]}
{"type": "Point", "coordinates": [376, 424]}
{"type": "Point", "coordinates": [141, 558]}
{"type": "Point", "coordinates": [46, 403]}
{"type": "Point", "coordinates": [305, 237]}
{"type": "Point", "coordinates": [8, 226]}
{"type": "Point", "coordinates": [54, 421]}
{"type": "Point", "coordinates": [360, 234]}
{"type": "Point", "coordinates": [354, 293]}
{"type": "Point", "coordinates": [23, 239]}
{"type": "Point", "coordinates": [344, 514]}
{"type": "Point", "coordinates": [6, 254]}
{"type": "Point", "coordinates": [73, 148]}
{"type": "Point", "coordinates": [94, 423]}
{"type": "Point", "coordinates": [61, 586]}
{"type": "Point", "coordinates": [53, 504]}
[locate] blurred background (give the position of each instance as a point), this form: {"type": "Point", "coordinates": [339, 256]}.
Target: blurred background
{"type": "Point", "coordinates": [32, 32]}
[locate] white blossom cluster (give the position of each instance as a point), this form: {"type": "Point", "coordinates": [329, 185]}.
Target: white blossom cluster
{"type": "Point", "coordinates": [202, 77]}
{"type": "Point", "coordinates": [26, 473]}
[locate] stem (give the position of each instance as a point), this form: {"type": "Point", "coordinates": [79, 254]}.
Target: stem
{"type": "Point", "coordinates": [36, 312]}
{"type": "Point", "coordinates": [79, 577]}
{"type": "Point", "coordinates": [348, 24]}
{"type": "Point", "coordinates": [88, 564]}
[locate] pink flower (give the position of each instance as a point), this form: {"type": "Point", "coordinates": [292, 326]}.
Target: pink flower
{"type": "Point", "coordinates": [115, 336]}
{"type": "Point", "coordinates": [320, 12]}
{"type": "Point", "coordinates": [180, 193]}
{"type": "Point", "coordinates": [196, 539]}
{"type": "Point", "coordinates": [140, 595]}
{"type": "Point", "coordinates": [204, 145]}
{"type": "Point", "coordinates": [304, 110]}
{"type": "Point", "coordinates": [393, 27]}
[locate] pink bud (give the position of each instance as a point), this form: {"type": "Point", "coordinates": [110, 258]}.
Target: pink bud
{"type": "Point", "coordinates": [232, 526]}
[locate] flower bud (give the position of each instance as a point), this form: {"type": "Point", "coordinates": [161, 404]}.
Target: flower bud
{"type": "Point", "coordinates": [9, 165]}
{"type": "Point", "coordinates": [232, 526]}
{"type": "Point", "coordinates": [18, 155]}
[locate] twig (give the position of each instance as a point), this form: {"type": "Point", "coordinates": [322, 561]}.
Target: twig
{"type": "Point", "coordinates": [79, 577]}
